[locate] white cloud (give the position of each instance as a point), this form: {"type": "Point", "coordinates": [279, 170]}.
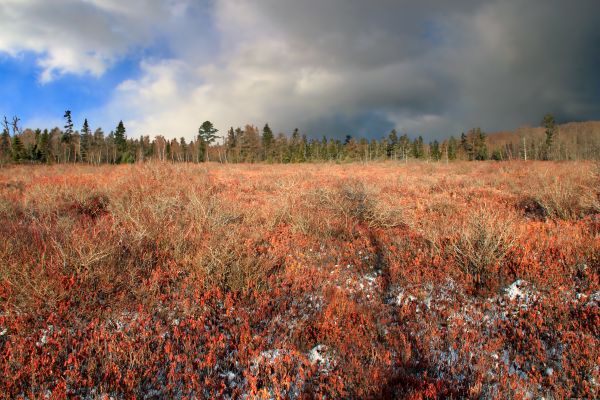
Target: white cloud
{"type": "Point", "coordinates": [81, 36]}
{"type": "Point", "coordinates": [269, 73]}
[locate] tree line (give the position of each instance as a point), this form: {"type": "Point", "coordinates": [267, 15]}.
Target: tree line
{"type": "Point", "coordinates": [249, 144]}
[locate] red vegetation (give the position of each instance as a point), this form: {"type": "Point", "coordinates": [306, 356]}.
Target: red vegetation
{"type": "Point", "coordinates": [474, 280]}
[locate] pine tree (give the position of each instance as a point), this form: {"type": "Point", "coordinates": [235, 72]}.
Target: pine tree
{"type": "Point", "coordinates": [44, 146]}
{"type": "Point", "coordinates": [267, 141]}
{"type": "Point", "coordinates": [85, 140]}
{"type": "Point", "coordinates": [66, 137]}
{"type": "Point", "coordinates": [418, 148]}
{"type": "Point", "coordinates": [480, 150]}
{"type": "Point", "coordinates": [392, 144]}
{"type": "Point", "coordinates": [549, 124]}
{"type": "Point", "coordinates": [68, 122]}
{"type": "Point", "coordinates": [18, 152]}
{"type": "Point", "coordinates": [466, 146]}
{"type": "Point", "coordinates": [120, 144]}
{"type": "Point", "coordinates": [67, 134]}
{"type": "Point", "coordinates": [231, 139]}
{"type": "Point", "coordinates": [294, 146]}
{"type": "Point", "coordinates": [33, 150]}
{"type": "Point", "coordinates": [435, 151]}
{"type": "Point", "coordinates": [5, 145]}
{"type": "Point", "coordinates": [452, 148]}
{"type": "Point", "coordinates": [207, 134]}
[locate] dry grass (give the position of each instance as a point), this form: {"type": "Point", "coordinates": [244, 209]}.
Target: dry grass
{"type": "Point", "coordinates": [139, 266]}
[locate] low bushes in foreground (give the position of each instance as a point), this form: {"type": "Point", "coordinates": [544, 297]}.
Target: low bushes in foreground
{"type": "Point", "coordinates": [304, 281]}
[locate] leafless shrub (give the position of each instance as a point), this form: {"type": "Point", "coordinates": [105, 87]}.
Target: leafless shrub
{"type": "Point", "coordinates": [13, 185]}
{"type": "Point", "coordinates": [482, 242]}
{"type": "Point", "coordinates": [567, 197]}
{"type": "Point", "coordinates": [353, 201]}
{"type": "Point", "coordinates": [93, 206]}
{"type": "Point", "coordinates": [211, 213]}
{"type": "Point", "coordinates": [232, 262]}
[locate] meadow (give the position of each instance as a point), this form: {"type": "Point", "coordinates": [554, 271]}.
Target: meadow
{"type": "Point", "coordinates": [383, 280]}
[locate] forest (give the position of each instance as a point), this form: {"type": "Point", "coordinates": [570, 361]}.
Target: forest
{"type": "Point", "coordinates": [571, 141]}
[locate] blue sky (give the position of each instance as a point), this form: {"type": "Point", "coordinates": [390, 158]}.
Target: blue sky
{"type": "Point", "coordinates": [332, 67]}
{"type": "Point", "coordinates": [37, 102]}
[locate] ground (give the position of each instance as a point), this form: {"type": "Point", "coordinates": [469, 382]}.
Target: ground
{"type": "Point", "coordinates": [418, 280]}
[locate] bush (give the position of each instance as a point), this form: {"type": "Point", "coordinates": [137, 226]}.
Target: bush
{"type": "Point", "coordinates": [482, 242]}
{"type": "Point", "coordinates": [561, 197]}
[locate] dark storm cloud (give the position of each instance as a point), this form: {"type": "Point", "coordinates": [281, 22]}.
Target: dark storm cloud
{"type": "Point", "coordinates": [497, 64]}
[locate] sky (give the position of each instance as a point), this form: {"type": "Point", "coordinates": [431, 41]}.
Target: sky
{"type": "Point", "coordinates": [328, 67]}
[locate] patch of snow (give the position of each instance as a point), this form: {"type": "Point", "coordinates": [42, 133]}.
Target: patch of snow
{"type": "Point", "coordinates": [513, 291]}
{"type": "Point", "coordinates": [402, 299]}
{"type": "Point", "coordinates": [269, 355]}
{"type": "Point", "coordinates": [427, 301]}
{"type": "Point", "coordinates": [153, 393]}
{"type": "Point", "coordinates": [594, 300]}
{"type": "Point", "coordinates": [316, 354]}
{"type": "Point", "coordinates": [44, 339]}
{"type": "Point", "coordinates": [230, 375]}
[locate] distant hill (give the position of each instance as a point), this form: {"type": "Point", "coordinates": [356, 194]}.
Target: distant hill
{"type": "Point", "coordinates": [574, 140]}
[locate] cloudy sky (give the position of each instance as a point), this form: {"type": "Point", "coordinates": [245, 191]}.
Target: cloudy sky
{"type": "Point", "coordinates": [334, 67]}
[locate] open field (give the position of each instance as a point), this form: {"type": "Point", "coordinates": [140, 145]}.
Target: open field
{"type": "Point", "coordinates": [417, 280]}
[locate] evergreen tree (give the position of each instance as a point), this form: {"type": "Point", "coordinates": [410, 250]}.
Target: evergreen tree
{"type": "Point", "coordinates": [392, 144]}
{"type": "Point", "coordinates": [267, 141]}
{"type": "Point", "coordinates": [85, 140]}
{"type": "Point", "coordinates": [418, 148]}
{"type": "Point", "coordinates": [44, 146]}
{"type": "Point", "coordinates": [5, 145]}
{"type": "Point", "coordinates": [231, 139]}
{"type": "Point", "coordinates": [294, 146]}
{"type": "Point", "coordinates": [120, 137]}
{"type": "Point", "coordinates": [466, 146]}
{"type": "Point", "coordinates": [18, 152]}
{"type": "Point", "coordinates": [67, 134]}
{"type": "Point", "coordinates": [120, 142]}
{"type": "Point", "coordinates": [479, 144]}
{"type": "Point", "coordinates": [33, 150]}
{"type": "Point", "coordinates": [66, 137]}
{"type": "Point", "coordinates": [452, 148]}
{"type": "Point", "coordinates": [207, 134]}
{"type": "Point", "coordinates": [121, 148]}
{"type": "Point", "coordinates": [550, 126]}
{"type": "Point", "coordinates": [435, 151]}
{"type": "Point", "coordinates": [304, 154]}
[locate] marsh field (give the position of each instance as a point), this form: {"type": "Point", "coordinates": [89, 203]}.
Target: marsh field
{"type": "Point", "coordinates": [383, 280]}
